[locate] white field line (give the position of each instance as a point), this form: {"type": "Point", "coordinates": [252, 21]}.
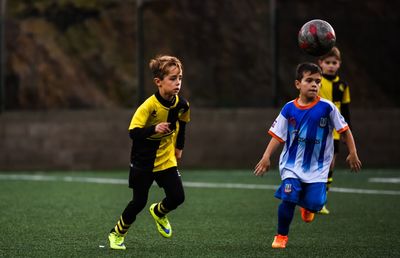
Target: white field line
{"type": "Point", "coordinates": [97, 180]}
{"type": "Point", "coordinates": [394, 180]}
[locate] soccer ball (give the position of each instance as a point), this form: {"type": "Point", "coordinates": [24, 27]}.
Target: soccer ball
{"type": "Point", "coordinates": [316, 37]}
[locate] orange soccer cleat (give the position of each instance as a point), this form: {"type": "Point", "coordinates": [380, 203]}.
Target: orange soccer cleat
{"type": "Point", "coordinates": [306, 215]}
{"type": "Point", "coordinates": [280, 241]}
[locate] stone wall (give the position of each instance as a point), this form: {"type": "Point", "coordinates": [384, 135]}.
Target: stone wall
{"type": "Point", "coordinates": [216, 138]}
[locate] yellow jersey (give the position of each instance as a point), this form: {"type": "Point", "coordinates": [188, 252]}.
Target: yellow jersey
{"type": "Point", "coordinates": [154, 151]}
{"type": "Point", "coordinates": [337, 91]}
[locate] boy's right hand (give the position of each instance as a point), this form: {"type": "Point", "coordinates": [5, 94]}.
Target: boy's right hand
{"type": "Point", "coordinates": [163, 127]}
{"type": "Point", "coordinates": [262, 166]}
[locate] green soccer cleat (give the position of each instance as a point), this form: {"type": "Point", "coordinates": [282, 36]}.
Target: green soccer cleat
{"type": "Point", "coordinates": [163, 226]}
{"type": "Point", "coordinates": [324, 211]}
{"type": "Point", "coordinates": [116, 241]}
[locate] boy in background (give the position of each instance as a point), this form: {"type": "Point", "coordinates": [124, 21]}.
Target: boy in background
{"type": "Point", "coordinates": [333, 88]}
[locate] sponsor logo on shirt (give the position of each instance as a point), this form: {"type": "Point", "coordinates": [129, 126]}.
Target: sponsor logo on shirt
{"type": "Point", "coordinates": [309, 140]}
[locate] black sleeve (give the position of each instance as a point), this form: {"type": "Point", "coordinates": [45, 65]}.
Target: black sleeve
{"type": "Point", "coordinates": [141, 133]}
{"type": "Point", "coordinates": [345, 110]}
{"type": "Point", "coordinates": [180, 139]}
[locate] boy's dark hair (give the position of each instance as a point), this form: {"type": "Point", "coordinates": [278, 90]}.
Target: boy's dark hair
{"type": "Point", "coordinates": [306, 67]}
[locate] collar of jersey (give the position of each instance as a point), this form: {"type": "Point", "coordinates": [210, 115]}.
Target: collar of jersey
{"type": "Point", "coordinates": [331, 77]}
{"type": "Point", "coordinates": [165, 102]}
{"type": "Point", "coordinates": [296, 103]}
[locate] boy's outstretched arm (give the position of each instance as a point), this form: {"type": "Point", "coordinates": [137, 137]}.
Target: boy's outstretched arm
{"type": "Point", "coordinates": [265, 162]}
{"type": "Point", "coordinates": [352, 158]}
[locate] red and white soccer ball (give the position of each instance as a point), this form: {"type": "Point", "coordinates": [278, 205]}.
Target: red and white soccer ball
{"type": "Point", "coordinates": [316, 37]}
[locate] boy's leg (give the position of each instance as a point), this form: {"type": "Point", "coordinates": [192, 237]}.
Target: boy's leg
{"type": "Point", "coordinates": [140, 181]}
{"type": "Point", "coordinates": [324, 209]}
{"type": "Point", "coordinates": [330, 179]}
{"type": "Point", "coordinates": [313, 197]}
{"type": "Point", "coordinates": [171, 181]}
{"type": "Point", "coordinates": [285, 216]}
{"type": "Point", "coordinates": [289, 193]}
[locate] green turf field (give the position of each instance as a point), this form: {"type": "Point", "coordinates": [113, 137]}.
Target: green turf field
{"type": "Point", "coordinates": [226, 214]}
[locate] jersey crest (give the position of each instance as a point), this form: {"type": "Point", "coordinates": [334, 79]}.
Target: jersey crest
{"type": "Point", "coordinates": [288, 188]}
{"type": "Point", "coordinates": [323, 122]}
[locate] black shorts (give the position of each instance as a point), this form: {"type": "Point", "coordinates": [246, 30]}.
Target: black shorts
{"type": "Point", "coordinates": [144, 178]}
{"type": "Point", "coordinates": [336, 144]}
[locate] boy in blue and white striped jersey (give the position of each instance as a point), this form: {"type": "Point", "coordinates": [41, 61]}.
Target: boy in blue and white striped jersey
{"type": "Point", "coordinates": [305, 126]}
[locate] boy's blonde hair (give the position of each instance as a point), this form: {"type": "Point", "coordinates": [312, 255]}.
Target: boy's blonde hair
{"type": "Point", "coordinates": [161, 64]}
{"type": "Point", "coordinates": [335, 52]}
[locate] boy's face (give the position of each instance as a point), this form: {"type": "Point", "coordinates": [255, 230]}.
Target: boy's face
{"type": "Point", "coordinates": [170, 85]}
{"type": "Point", "coordinates": [329, 65]}
{"type": "Point", "coordinates": [309, 85]}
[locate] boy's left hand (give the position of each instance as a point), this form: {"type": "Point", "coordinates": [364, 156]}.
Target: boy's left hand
{"type": "Point", "coordinates": [354, 162]}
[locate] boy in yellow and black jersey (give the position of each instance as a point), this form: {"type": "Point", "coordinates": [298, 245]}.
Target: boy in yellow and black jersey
{"type": "Point", "coordinates": [157, 130]}
{"type": "Point", "coordinates": [337, 91]}
{"type": "Point", "coordinates": [156, 151]}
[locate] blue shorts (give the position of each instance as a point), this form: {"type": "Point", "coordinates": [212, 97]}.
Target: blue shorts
{"type": "Point", "coordinates": [311, 196]}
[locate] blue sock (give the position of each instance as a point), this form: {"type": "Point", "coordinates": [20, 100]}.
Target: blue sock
{"type": "Point", "coordinates": [285, 216]}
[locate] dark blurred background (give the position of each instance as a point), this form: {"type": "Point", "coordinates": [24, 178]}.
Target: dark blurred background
{"type": "Point", "coordinates": [83, 53]}
{"type": "Point", "coordinates": [239, 59]}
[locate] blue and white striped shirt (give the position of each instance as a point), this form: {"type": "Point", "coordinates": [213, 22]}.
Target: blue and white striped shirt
{"type": "Point", "coordinates": [307, 134]}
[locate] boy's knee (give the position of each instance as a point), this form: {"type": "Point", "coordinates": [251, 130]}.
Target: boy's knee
{"type": "Point", "coordinates": [138, 204]}
{"type": "Point", "coordinates": [173, 203]}
{"type": "Point", "coordinates": [316, 206]}
{"type": "Point", "coordinates": [180, 200]}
